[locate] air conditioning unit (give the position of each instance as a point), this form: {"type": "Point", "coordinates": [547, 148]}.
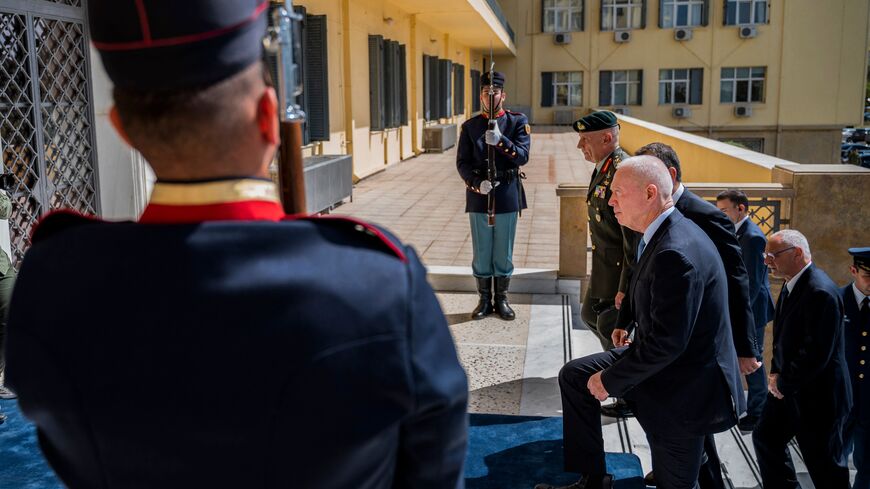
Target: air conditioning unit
{"type": "Point", "coordinates": [563, 117]}
{"type": "Point", "coordinates": [742, 111]}
{"type": "Point", "coordinates": [747, 31]}
{"type": "Point", "coordinates": [682, 34]}
{"type": "Point", "coordinates": [620, 110]}
{"type": "Point", "coordinates": [562, 38]}
{"type": "Point", "coordinates": [681, 112]}
{"type": "Point", "coordinates": [622, 36]}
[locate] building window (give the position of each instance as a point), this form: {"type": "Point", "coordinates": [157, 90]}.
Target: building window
{"type": "Point", "coordinates": [387, 84]}
{"type": "Point", "coordinates": [562, 89]}
{"type": "Point", "coordinates": [622, 15]}
{"type": "Point", "coordinates": [622, 87]}
{"type": "Point", "coordinates": [753, 144]}
{"type": "Point", "coordinates": [742, 85]}
{"type": "Point", "coordinates": [746, 12]}
{"type": "Point", "coordinates": [562, 15]}
{"type": "Point", "coordinates": [315, 75]}
{"type": "Point", "coordinates": [437, 88]}
{"type": "Point", "coordinates": [683, 13]}
{"type": "Point", "coordinates": [681, 86]}
{"type": "Point", "coordinates": [458, 89]}
{"type": "Point", "coordinates": [475, 91]}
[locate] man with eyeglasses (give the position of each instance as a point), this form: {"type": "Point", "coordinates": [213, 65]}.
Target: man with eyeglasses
{"type": "Point", "coordinates": [857, 333]}
{"type": "Point", "coordinates": [493, 246]}
{"type": "Point", "coordinates": [809, 391]}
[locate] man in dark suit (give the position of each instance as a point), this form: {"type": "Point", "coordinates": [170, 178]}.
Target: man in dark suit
{"type": "Point", "coordinates": [720, 230]}
{"type": "Point", "coordinates": [680, 370]}
{"type": "Point", "coordinates": [810, 394]}
{"type": "Point", "coordinates": [735, 205]}
{"type": "Point", "coordinates": [857, 333]}
{"type": "Point", "coordinates": [342, 369]}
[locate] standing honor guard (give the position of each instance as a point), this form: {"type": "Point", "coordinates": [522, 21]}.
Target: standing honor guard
{"type": "Point", "coordinates": [493, 244]}
{"type": "Point", "coordinates": [857, 332]}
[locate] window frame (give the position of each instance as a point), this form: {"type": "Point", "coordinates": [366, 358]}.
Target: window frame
{"type": "Point", "coordinates": [630, 6]}
{"type": "Point", "coordinates": [572, 86]}
{"type": "Point", "coordinates": [752, 12]}
{"type": "Point", "coordinates": [627, 83]}
{"type": "Point", "coordinates": [735, 79]}
{"type": "Point", "coordinates": [567, 12]}
{"type": "Point", "coordinates": [674, 6]}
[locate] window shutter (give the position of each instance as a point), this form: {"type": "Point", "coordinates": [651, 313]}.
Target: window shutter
{"type": "Point", "coordinates": [427, 87]}
{"type": "Point", "coordinates": [696, 84]}
{"type": "Point", "coordinates": [546, 89]}
{"type": "Point", "coordinates": [582, 15]}
{"type": "Point", "coordinates": [445, 89]}
{"type": "Point", "coordinates": [458, 89]}
{"type": "Point", "coordinates": [543, 16]}
{"type": "Point", "coordinates": [403, 87]}
{"type": "Point", "coordinates": [317, 77]}
{"type": "Point", "coordinates": [661, 14]}
{"type": "Point", "coordinates": [640, 87]}
{"type": "Point", "coordinates": [705, 13]}
{"type": "Point", "coordinates": [604, 88]}
{"type": "Point", "coordinates": [601, 26]}
{"type": "Point", "coordinates": [475, 91]}
{"type": "Point", "coordinates": [303, 99]}
{"type": "Point", "coordinates": [643, 14]}
{"type": "Point", "coordinates": [376, 82]}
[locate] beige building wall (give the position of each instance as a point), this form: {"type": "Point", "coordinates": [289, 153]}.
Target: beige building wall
{"type": "Point", "coordinates": [349, 23]}
{"type": "Point", "coordinates": [814, 53]}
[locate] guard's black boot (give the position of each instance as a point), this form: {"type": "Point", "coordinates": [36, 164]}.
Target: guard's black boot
{"type": "Point", "coordinates": [484, 306]}
{"type": "Point", "coordinates": [501, 301]}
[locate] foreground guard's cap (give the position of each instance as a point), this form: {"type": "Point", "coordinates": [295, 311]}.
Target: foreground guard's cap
{"type": "Point", "coordinates": [497, 78]}
{"type": "Point", "coordinates": [596, 121]}
{"type": "Point", "coordinates": [175, 44]}
{"type": "Point", "coordinates": [861, 257]}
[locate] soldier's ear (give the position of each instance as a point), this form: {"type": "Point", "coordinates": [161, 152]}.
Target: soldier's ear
{"type": "Point", "coordinates": [115, 119]}
{"type": "Point", "coordinates": [267, 116]}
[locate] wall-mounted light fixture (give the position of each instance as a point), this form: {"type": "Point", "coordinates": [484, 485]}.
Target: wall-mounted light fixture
{"type": "Point", "coordinates": [388, 20]}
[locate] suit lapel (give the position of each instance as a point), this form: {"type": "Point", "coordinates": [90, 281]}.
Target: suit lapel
{"type": "Point", "coordinates": [794, 297]}
{"type": "Point", "coordinates": [650, 250]}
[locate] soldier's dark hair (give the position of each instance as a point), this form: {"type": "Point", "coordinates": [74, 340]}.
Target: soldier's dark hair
{"type": "Point", "coordinates": [198, 119]}
{"type": "Point", "coordinates": [665, 153]}
{"type": "Point", "coordinates": [737, 197]}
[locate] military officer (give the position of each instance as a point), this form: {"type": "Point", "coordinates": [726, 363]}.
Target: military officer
{"type": "Point", "coordinates": [493, 246]}
{"type": "Point", "coordinates": [342, 368]}
{"type": "Point", "coordinates": [599, 142]}
{"type": "Point", "coordinates": [857, 332]}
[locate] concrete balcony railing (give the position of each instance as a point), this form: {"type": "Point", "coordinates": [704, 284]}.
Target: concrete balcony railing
{"type": "Point", "coordinates": [827, 203]}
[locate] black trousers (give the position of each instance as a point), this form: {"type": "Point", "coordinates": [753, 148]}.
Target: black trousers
{"type": "Point", "coordinates": [676, 461]}
{"type": "Point", "coordinates": [819, 439]}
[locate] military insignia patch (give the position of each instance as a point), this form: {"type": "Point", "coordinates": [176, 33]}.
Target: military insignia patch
{"type": "Point", "coordinates": [600, 191]}
{"type": "Point", "coordinates": [528, 129]}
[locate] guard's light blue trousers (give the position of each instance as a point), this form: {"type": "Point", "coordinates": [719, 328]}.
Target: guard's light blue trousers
{"type": "Point", "coordinates": [493, 246]}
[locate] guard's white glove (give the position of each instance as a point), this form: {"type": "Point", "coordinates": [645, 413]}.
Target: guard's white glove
{"type": "Point", "coordinates": [486, 186]}
{"type": "Point", "coordinates": [493, 135]}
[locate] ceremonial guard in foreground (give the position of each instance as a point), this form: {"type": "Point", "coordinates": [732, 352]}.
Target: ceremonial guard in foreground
{"type": "Point", "coordinates": [493, 245]}
{"type": "Point", "coordinates": [857, 331]}
{"type": "Point", "coordinates": [219, 342]}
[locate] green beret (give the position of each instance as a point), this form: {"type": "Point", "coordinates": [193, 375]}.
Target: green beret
{"type": "Point", "coordinates": [596, 121]}
{"type": "Point", "coordinates": [861, 257]}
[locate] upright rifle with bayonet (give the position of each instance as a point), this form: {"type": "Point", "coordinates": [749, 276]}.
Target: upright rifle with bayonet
{"type": "Point", "coordinates": [283, 49]}
{"type": "Point", "coordinates": [490, 150]}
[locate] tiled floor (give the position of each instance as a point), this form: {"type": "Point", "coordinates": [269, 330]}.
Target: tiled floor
{"type": "Point", "coordinates": [422, 200]}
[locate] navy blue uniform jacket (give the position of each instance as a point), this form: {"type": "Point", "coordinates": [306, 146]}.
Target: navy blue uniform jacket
{"type": "Point", "coordinates": [809, 352]}
{"type": "Point", "coordinates": [681, 369]}
{"type": "Point", "coordinates": [258, 354]}
{"type": "Point", "coordinates": [511, 153]}
{"type": "Point", "coordinates": [855, 340]}
{"type": "Point", "coordinates": [752, 242]}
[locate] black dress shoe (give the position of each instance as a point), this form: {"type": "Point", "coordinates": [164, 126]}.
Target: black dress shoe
{"type": "Point", "coordinates": [502, 307]}
{"type": "Point", "coordinates": [484, 305]}
{"type": "Point", "coordinates": [618, 409]}
{"type": "Point", "coordinates": [584, 483]}
{"type": "Point", "coordinates": [747, 424]}
{"type": "Point", "coordinates": [650, 478]}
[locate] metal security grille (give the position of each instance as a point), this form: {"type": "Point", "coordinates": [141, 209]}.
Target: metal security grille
{"type": "Point", "coordinates": [46, 117]}
{"type": "Point", "coordinates": [767, 214]}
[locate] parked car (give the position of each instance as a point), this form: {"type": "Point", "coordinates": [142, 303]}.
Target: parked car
{"type": "Point", "coordinates": [846, 147]}
{"type": "Point", "coordinates": [866, 116]}
{"type": "Point", "coordinates": [859, 135]}
{"type": "Point", "coordinates": [859, 157]}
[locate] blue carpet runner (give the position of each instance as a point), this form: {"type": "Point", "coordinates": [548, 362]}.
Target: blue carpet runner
{"type": "Point", "coordinates": [517, 452]}
{"type": "Point", "coordinates": [21, 463]}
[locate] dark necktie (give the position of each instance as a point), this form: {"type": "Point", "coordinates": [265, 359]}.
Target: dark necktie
{"type": "Point", "coordinates": [783, 296]}
{"type": "Point", "coordinates": [640, 246]}
{"type": "Point", "coordinates": [864, 312]}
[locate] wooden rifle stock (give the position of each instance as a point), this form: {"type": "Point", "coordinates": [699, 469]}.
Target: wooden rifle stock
{"type": "Point", "coordinates": [290, 173]}
{"type": "Point", "coordinates": [490, 159]}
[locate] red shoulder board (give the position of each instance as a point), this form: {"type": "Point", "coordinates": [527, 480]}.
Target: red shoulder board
{"type": "Point", "coordinates": [57, 221]}
{"type": "Point", "coordinates": [359, 226]}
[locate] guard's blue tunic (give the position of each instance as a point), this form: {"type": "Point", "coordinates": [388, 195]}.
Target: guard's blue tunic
{"type": "Point", "coordinates": [511, 153]}
{"type": "Point", "coordinates": [224, 344]}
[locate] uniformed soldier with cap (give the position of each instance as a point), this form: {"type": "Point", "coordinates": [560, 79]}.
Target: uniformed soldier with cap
{"type": "Point", "coordinates": [857, 333]}
{"type": "Point", "coordinates": [493, 246]}
{"type": "Point", "coordinates": [218, 342]}
{"type": "Point", "coordinates": [599, 141]}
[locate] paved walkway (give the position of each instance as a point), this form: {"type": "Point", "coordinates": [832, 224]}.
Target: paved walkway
{"type": "Point", "coordinates": [422, 200]}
